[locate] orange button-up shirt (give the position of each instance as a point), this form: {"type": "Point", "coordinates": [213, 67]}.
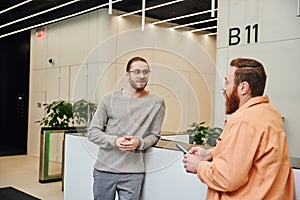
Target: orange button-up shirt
{"type": "Point", "coordinates": [250, 160]}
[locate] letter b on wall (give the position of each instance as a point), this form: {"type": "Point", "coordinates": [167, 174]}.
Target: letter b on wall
{"type": "Point", "coordinates": [234, 34]}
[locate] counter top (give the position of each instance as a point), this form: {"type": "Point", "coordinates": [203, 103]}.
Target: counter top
{"type": "Point", "coordinates": [169, 144]}
{"type": "Point", "coordinates": [295, 162]}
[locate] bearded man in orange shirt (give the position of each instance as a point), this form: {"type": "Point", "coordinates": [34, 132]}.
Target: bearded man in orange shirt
{"type": "Point", "coordinates": [250, 160]}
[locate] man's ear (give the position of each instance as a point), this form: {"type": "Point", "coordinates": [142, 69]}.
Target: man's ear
{"type": "Point", "coordinates": [244, 88]}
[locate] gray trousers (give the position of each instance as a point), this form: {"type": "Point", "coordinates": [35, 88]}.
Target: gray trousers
{"type": "Point", "coordinates": [127, 185]}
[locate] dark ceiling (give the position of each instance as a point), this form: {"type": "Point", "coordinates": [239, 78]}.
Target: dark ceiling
{"type": "Point", "coordinates": [10, 20]}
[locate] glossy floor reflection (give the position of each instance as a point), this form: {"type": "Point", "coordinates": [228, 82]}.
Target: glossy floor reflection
{"type": "Point", "coordinates": [22, 172]}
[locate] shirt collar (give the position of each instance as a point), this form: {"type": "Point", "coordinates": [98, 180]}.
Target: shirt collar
{"type": "Point", "coordinates": [253, 101]}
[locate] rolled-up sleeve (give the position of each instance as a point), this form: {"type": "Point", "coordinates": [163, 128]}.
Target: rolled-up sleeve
{"type": "Point", "coordinates": [229, 169]}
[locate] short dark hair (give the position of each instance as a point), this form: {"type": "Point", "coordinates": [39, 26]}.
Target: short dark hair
{"type": "Point", "coordinates": [251, 71]}
{"type": "Point", "coordinates": [137, 58]}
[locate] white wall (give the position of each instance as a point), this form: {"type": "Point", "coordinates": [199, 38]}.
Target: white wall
{"type": "Point", "coordinates": [91, 51]}
{"type": "Point", "coordinates": [278, 48]}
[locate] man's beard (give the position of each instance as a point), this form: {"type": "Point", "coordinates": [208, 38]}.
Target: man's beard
{"type": "Point", "coordinates": [232, 101]}
{"type": "Point", "coordinates": [136, 87]}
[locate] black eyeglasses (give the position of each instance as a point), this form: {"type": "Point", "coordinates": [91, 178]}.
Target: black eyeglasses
{"type": "Point", "coordinates": [138, 71]}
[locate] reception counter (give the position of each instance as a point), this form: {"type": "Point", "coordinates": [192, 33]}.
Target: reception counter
{"type": "Point", "coordinates": [165, 179]}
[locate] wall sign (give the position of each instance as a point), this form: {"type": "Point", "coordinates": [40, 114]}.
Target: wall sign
{"type": "Point", "coordinates": [40, 32]}
{"type": "Point", "coordinates": [235, 34]}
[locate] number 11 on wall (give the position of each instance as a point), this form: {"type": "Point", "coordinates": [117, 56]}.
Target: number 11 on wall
{"type": "Point", "coordinates": [234, 34]}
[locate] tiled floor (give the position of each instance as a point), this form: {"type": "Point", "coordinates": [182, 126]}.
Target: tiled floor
{"type": "Point", "coordinates": [22, 172]}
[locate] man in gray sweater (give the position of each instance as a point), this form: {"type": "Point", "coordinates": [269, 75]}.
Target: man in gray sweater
{"type": "Point", "coordinates": [126, 122]}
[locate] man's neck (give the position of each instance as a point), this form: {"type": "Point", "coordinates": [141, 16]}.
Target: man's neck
{"type": "Point", "coordinates": [244, 99]}
{"type": "Point", "coordinates": [132, 93]}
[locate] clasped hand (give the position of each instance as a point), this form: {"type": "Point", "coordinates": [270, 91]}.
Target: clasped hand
{"type": "Point", "coordinates": [192, 160]}
{"type": "Point", "coordinates": [127, 143]}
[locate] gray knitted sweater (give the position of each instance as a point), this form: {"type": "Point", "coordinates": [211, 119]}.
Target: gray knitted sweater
{"type": "Point", "coordinates": [118, 115]}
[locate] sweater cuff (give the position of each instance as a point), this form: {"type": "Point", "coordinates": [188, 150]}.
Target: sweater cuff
{"type": "Point", "coordinates": [141, 144]}
{"type": "Point", "coordinates": [113, 141]}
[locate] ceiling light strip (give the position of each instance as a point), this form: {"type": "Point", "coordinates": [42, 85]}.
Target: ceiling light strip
{"type": "Point", "coordinates": [110, 7]}
{"type": "Point", "coordinates": [212, 8]}
{"type": "Point", "coordinates": [56, 20]}
{"type": "Point", "coordinates": [39, 13]}
{"type": "Point", "coordinates": [181, 17]}
{"type": "Point", "coordinates": [209, 34]}
{"type": "Point", "coordinates": [194, 23]}
{"type": "Point", "coordinates": [151, 8]}
{"type": "Point", "coordinates": [15, 6]}
{"type": "Point", "coordinates": [203, 29]}
{"type": "Point", "coordinates": [298, 11]}
{"type": "Point", "coordinates": [143, 14]}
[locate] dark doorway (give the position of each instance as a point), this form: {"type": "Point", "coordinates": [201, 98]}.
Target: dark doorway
{"type": "Point", "coordinates": [14, 88]}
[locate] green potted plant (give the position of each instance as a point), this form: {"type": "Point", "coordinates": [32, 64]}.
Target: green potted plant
{"type": "Point", "coordinates": [200, 134]}
{"type": "Point", "coordinates": [58, 114]}
{"type": "Point", "coordinates": [83, 111]}
{"type": "Point", "coordinates": [213, 135]}
{"type": "Point", "coordinates": [197, 133]}
{"type": "Point", "coordinates": [62, 113]}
